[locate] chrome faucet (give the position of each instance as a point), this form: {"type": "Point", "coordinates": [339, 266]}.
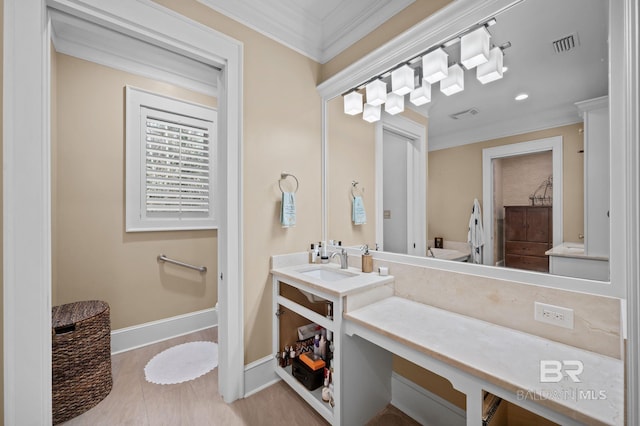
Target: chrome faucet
{"type": "Point", "coordinates": [344, 262]}
{"type": "Point", "coordinates": [430, 252]}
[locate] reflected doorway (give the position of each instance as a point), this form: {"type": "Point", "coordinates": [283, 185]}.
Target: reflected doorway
{"type": "Point", "coordinates": [401, 170]}
{"type": "Point", "coordinates": [494, 191]}
{"type": "Point", "coordinates": [396, 169]}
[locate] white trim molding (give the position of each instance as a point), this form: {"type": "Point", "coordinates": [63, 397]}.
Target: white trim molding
{"type": "Point", "coordinates": [317, 33]}
{"type": "Point", "coordinates": [85, 40]}
{"type": "Point", "coordinates": [423, 406]}
{"type": "Point", "coordinates": [27, 185]}
{"type": "Point", "coordinates": [137, 336]}
{"type": "Point", "coordinates": [26, 214]}
{"type": "Point", "coordinates": [629, 71]}
{"type": "Point", "coordinates": [259, 375]}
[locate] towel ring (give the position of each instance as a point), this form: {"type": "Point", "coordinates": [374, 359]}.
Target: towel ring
{"type": "Point", "coordinates": [354, 188]}
{"type": "Point", "coordinates": [283, 176]}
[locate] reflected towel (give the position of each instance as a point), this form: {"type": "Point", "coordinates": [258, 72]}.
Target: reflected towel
{"type": "Point", "coordinates": [288, 210]}
{"type": "Point", "coordinates": [475, 236]}
{"type": "Point", "coordinates": [358, 215]}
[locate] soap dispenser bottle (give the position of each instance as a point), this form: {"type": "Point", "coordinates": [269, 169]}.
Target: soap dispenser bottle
{"type": "Point", "coordinates": [367, 260]}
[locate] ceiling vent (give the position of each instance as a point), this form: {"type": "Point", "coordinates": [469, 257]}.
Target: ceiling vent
{"type": "Point", "coordinates": [566, 44]}
{"type": "Point", "coordinates": [464, 114]}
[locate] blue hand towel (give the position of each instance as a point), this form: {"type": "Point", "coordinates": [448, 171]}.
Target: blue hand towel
{"type": "Point", "coordinates": [288, 210]}
{"type": "Point", "coordinates": [358, 215]}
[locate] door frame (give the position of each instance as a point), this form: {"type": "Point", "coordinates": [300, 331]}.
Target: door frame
{"type": "Point", "coordinates": [27, 186]}
{"type": "Point", "coordinates": [416, 180]}
{"type": "Point", "coordinates": [553, 144]}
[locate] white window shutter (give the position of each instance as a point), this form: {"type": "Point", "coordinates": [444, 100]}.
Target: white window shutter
{"type": "Point", "coordinates": [176, 167]}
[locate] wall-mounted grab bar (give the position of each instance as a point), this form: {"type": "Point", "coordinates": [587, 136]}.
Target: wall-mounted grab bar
{"type": "Point", "coordinates": [163, 258]}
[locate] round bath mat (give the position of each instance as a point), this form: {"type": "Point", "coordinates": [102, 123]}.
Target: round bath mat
{"type": "Point", "coordinates": [182, 363]}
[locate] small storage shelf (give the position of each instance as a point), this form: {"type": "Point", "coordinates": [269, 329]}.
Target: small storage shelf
{"type": "Point", "coordinates": [292, 308]}
{"type": "Point", "coordinates": [313, 398]}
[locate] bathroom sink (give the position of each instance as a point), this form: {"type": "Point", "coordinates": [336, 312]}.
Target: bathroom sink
{"type": "Point", "coordinates": [326, 274]}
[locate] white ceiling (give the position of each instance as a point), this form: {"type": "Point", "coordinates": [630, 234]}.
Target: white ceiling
{"type": "Point", "coordinates": [554, 81]}
{"type": "Point", "coordinates": [317, 29]}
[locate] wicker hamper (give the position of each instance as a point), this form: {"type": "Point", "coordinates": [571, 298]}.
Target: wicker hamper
{"type": "Point", "coordinates": [81, 357]}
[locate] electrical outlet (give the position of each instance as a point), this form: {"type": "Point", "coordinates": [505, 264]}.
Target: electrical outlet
{"type": "Point", "coordinates": [556, 315]}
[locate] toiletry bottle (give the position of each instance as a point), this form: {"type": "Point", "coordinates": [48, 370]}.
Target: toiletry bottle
{"type": "Point", "coordinates": [367, 260]}
{"type": "Point", "coordinates": [316, 345]}
{"type": "Point", "coordinates": [323, 347]}
{"type": "Point", "coordinates": [292, 353]}
{"type": "Point", "coordinates": [312, 254]}
{"type": "Point", "coordinates": [330, 317]}
{"type": "Point", "coordinates": [318, 251]}
{"type": "Point", "coordinates": [324, 257]}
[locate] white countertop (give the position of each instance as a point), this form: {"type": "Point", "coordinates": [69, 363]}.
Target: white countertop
{"type": "Point", "coordinates": [575, 250]}
{"type": "Point", "coordinates": [352, 284]}
{"type": "Point", "coordinates": [504, 357]}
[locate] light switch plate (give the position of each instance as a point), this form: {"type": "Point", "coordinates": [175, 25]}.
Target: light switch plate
{"type": "Point", "coordinates": [555, 315]}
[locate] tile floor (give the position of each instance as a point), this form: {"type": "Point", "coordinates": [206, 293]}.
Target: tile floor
{"type": "Point", "coordinates": [134, 401]}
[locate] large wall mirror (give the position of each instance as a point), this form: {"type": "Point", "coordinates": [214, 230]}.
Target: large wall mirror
{"type": "Point", "coordinates": [418, 172]}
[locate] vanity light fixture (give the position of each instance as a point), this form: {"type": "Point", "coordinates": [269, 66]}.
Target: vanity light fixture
{"type": "Point", "coordinates": [454, 82]}
{"type": "Point", "coordinates": [402, 80]}
{"type": "Point", "coordinates": [395, 103]}
{"type": "Point", "coordinates": [474, 48]}
{"type": "Point", "coordinates": [376, 92]}
{"type": "Point", "coordinates": [421, 94]}
{"type": "Point", "coordinates": [491, 70]}
{"type": "Point", "coordinates": [371, 113]}
{"type": "Point", "coordinates": [521, 96]}
{"type": "Point", "coordinates": [475, 52]}
{"type": "Point", "coordinates": [353, 103]}
{"type": "Point", "coordinates": [435, 66]}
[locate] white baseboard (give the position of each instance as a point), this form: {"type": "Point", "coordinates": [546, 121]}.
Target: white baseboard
{"type": "Point", "coordinates": [128, 338]}
{"type": "Point", "coordinates": [423, 406]}
{"type": "Point", "coordinates": [259, 375]}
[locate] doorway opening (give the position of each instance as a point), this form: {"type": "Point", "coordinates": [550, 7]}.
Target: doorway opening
{"type": "Point", "coordinates": [500, 191]}
{"type": "Point", "coordinates": [401, 170]}
{"type": "Point", "coordinates": [27, 131]}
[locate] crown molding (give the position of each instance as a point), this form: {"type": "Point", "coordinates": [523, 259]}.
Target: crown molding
{"type": "Point", "coordinates": [320, 38]}
{"type": "Point", "coordinates": [540, 120]}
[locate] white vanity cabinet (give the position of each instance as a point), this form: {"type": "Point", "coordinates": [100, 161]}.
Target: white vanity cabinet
{"type": "Point", "coordinates": [300, 297]}
{"type": "Point", "coordinates": [284, 306]}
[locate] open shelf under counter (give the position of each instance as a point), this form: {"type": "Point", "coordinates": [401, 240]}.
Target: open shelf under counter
{"type": "Point", "coordinates": [313, 398]}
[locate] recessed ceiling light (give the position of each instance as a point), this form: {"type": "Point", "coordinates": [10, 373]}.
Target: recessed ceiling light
{"type": "Point", "coordinates": [522, 97]}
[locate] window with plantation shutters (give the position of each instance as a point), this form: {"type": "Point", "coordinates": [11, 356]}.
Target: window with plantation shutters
{"type": "Point", "coordinates": [171, 157]}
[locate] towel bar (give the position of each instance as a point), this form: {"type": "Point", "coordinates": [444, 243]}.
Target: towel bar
{"type": "Point", "coordinates": [163, 258]}
{"type": "Point", "coordinates": [283, 176]}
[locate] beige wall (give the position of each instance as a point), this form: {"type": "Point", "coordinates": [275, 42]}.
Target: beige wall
{"type": "Point", "coordinates": [351, 156]}
{"type": "Point", "coordinates": [351, 149]}
{"type": "Point", "coordinates": [455, 179]}
{"type": "Point", "coordinates": [522, 175]}
{"type": "Point", "coordinates": [281, 132]}
{"type": "Point", "coordinates": [410, 16]}
{"type": "Point", "coordinates": [93, 257]}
